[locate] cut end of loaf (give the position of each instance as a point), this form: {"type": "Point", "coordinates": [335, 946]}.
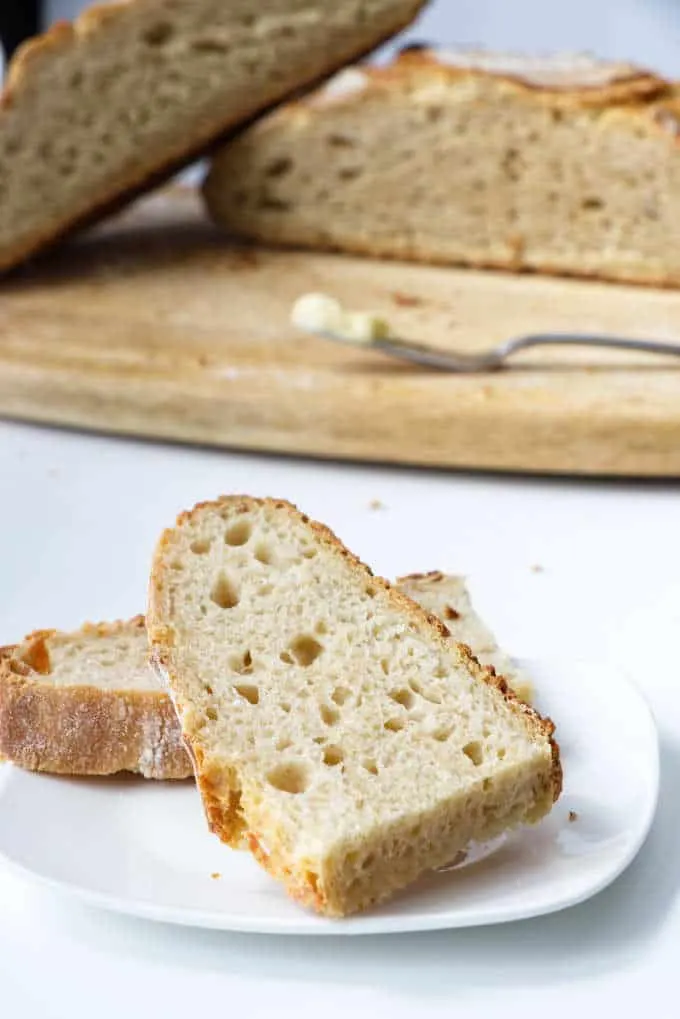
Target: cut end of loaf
{"type": "Point", "coordinates": [336, 727]}
{"type": "Point", "coordinates": [176, 76]}
{"type": "Point", "coordinates": [557, 165]}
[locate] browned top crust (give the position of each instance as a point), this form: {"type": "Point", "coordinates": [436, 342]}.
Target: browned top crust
{"type": "Point", "coordinates": [576, 81]}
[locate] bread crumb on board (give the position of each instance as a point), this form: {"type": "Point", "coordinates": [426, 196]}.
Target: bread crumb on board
{"type": "Point", "coordinates": [377, 504]}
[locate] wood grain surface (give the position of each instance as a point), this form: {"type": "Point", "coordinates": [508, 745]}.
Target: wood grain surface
{"type": "Point", "coordinates": [158, 326]}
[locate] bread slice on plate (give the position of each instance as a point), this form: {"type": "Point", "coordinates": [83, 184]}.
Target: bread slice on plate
{"type": "Point", "coordinates": [334, 724]}
{"type": "Point", "coordinates": [559, 164]}
{"type": "Point", "coordinates": [87, 703]}
{"type": "Point", "coordinates": [447, 597]}
{"type": "Point", "coordinates": [99, 110]}
{"type": "Point", "coordinates": [99, 675]}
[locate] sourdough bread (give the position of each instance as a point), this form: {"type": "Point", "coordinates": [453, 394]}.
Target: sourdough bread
{"type": "Point", "coordinates": [448, 598]}
{"type": "Point", "coordinates": [561, 164]}
{"type": "Point", "coordinates": [87, 703]}
{"type": "Point", "coordinates": [96, 111]}
{"type": "Point", "coordinates": [334, 725]}
{"type": "Point", "coordinates": [58, 689]}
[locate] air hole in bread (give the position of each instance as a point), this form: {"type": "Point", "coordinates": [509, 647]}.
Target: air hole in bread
{"type": "Point", "coordinates": [310, 553]}
{"type": "Point", "coordinates": [249, 692]}
{"type": "Point", "coordinates": [487, 784]}
{"type": "Point", "coordinates": [329, 715]}
{"type": "Point", "coordinates": [340, 141]}
{"type": "Point", "coordinates": [283, 744]}
{"type": "Point", "coordinates": [370, 766]}
{"type": "Point", "coordinates": [320, 739]}
{"type": "Point", "coordinates": [305, 649]}
{"type": "Point", "coordinates": [321, 628]}
{"type": "Point", "coordinates": [442, 733]}
{"type": "Point", "coordinates": [592, 204]}
{"type": "Point", "coordinates": [279, 167]}
{"type": "Point", "coordinates": [263, 554]}
{"type": "Point", "coordinates": [177, 564]}
{"type": "Point", "coordinates": [394, 724]}
{"type": "Point", "coordinates": [238, 533]}
{"type": "Point", "coordinates": [368, 861]}
{"type": "Point", "coordinates": [403, 697]}
{"type": "Point", "coordinates": [385, 666]}
{"type": "Point", "coordinates": [208, 689]}
{"type": "Point", "coordinates": [212, 714]}
{"type": "Point", "coordinates": [340, 695]}
{"type": "Point", "coordinates": [428, 695]}
{"type": "Point", "coordinates": [287, 657]}
{"type": "Point", "coordinates": [264, 589]}
{"type": "Point", "coordinates": [158, 34]}
{"type": "Point", "coordinates": [371, 590]}
{"type": "Point", "coordinates": [434, 113]}
{"type": "Point", "coordinates": [285, 707]}
{"type": "Point", "coordinates": [473, 751]}
{"type": "Point", "coordinates": [333, 755]}
{"type": "Point", "coordinates": [241, 663]}
{"type": "Point", "coordinates": [224, 593]}
{"type": "Point", "coordinates": [289, 778]}
{"type": "Point", "coordinates": [200, 546]}
{"type": "Point", "coordinates": [349, 172]}
{"type": "Point", "coordinates": [207, 45]}
{"type": "Point", "coordinates": [500, 753]}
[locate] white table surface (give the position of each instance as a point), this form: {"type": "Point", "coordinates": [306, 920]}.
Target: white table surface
{"type": "Point", "coordinates": [78, 518]}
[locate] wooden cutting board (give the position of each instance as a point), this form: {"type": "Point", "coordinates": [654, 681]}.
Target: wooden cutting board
{"type": "Point", "coordinates": [158, 326]}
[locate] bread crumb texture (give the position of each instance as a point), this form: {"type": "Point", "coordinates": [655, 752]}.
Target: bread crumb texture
{"type": "Point", "coordinates": [560, 164]}
{"type": "Point", "coordinates": [338, 730]}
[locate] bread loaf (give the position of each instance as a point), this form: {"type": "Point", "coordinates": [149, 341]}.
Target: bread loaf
{"type": "Point", "coordinates": [561, 164]}
{"type": "Point", "coordinates": [97, 111]}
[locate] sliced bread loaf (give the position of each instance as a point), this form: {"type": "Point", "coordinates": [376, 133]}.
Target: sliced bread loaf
{"type": "Point", "coordinates": [334, 725]}
{"type": "Point", "coordinates": [448, 598]}
{"type": "Point", "coordinates": [560, 164]}
{"type": "Point", "coordinates": [87, 703]}
{"type": "Point", "coordinates": [98, 110]}
{"type": "Point", "coordinates": [57, 689]}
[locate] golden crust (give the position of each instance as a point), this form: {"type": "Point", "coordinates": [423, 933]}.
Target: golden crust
{"type": "Point", "coordinates": [61, 36]}
{"type": "Point", "coordinates": [84, 730]}
{"type": "Point", "coordinates": [221, 791]}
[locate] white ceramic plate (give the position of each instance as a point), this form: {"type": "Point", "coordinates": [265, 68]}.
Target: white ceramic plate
{"type": "Point", "coordinates": [142, 847]}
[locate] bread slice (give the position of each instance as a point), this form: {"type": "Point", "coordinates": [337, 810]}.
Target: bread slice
{"type": "Point", "coordinates": [335, 726]}
{"type": "Point", "coordinates": [561, 164]}
{"type": "Point", "coordinates": [447, 597]}
{"type": "Point", "coordinates": [87, 703]}
{"type": "Point", "coordinates": [100, 677]}
{"type": "Point", "coordinates": [101, 109]}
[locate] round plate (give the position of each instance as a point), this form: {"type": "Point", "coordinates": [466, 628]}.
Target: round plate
{"type": "Point", "coordinates": [142, 847]}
